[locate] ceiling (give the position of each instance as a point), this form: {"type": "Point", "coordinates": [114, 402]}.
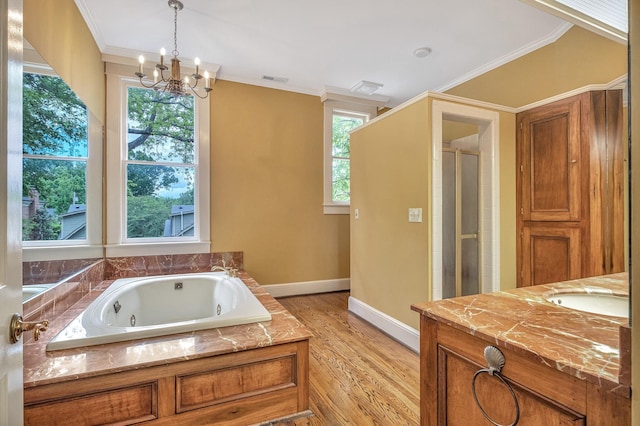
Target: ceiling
{"type": "Point", "coordinates": [331, 44]}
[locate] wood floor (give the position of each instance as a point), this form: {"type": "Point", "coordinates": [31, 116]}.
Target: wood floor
{"type": "Point", "coordinates": [358, 375]}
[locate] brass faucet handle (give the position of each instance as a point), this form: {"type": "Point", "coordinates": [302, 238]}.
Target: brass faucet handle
{"type": "Point", "coordinates": [18, 326]}
{"type": "Point", "coordinates": [38, 327]}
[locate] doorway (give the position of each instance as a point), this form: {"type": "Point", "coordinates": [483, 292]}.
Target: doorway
{"type": "Point", "coordinates": [466, 246]}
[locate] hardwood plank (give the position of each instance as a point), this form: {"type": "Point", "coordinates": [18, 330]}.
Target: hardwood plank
{"type": "Point", "coordinates": [358, 375]}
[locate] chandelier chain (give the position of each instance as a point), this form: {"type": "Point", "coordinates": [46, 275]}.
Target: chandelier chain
{"type": "Point", "coordinates": [175, 52]}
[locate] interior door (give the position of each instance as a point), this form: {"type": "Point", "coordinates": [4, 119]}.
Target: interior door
{"type": "Point", "coordinates": [460, 222]}
{"type": "Point", "coordinates": [10, 208]}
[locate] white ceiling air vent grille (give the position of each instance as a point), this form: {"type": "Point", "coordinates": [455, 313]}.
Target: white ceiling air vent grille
{"type": "Point", "coordinates": [283, 80]}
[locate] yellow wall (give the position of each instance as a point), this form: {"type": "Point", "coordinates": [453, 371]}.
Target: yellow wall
{"type": "Point", "coordinates": [267, 185]}
{"type": "Point", "coordinates": [508, 216]}
{"type": "Point", "coordinates": [59, 34]}
{"type": "Point", "coordinates": [577, 59]}
{"type": "Point", "coordinates": [390, 172]}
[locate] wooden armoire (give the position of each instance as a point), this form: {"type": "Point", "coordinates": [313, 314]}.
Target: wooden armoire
{"type": "Point", "coordinates": [570, 188]}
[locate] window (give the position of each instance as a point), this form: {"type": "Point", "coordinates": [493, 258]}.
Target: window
{"type": "Point", "coordinates": [61, 196]}
{"type": "Point", "coordinates": [342, 114]}
{"type": "Point", "coordinates": [343, 122]}
{"type": "Point", "coordinates": [160, 165]}
{"type": "Point", "coordinates": [157, 171]}
{"type": "Point", "coordinates": [55, 151]}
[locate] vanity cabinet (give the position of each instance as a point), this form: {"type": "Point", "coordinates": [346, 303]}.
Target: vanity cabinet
{"type": "Point", "coordinates": [449, 360]}
{"type": "Point", "coordinates": [570, 189]}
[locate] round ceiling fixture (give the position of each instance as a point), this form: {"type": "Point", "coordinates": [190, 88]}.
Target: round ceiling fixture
{"type": "Point", "coordinates": [422, 52]}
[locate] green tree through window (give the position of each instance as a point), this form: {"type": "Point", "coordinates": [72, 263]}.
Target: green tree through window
{"type": "Point", "coordinates": [55, 151]}
{"type": "Point", "coordinates": [160, 162]}
{"type": "Point", "coordinates": [343, 123]}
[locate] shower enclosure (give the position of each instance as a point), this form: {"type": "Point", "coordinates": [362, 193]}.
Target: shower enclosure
{"type": "Point", "coordinates": [461, 218]}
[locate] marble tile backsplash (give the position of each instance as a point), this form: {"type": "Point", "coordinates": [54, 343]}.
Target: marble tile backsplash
{"type": "Point", "coordinates": [52, 271]}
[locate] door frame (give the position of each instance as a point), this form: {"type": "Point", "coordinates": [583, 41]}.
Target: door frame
{"type": "Point", "coordinates": [488, 123]}
{"type": "Point", "coordinates": [11, 364]}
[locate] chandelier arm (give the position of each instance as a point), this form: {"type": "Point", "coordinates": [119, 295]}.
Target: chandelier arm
{"type": "Point", "coordinates": [206, 95]}
{"type": "Point", "coordinates": [149, 86]}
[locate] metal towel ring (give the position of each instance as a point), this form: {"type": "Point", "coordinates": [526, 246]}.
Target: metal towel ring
{"type": "Point", "coordinates": [495, 362]}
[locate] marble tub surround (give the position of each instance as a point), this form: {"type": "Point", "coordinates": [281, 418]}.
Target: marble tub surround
{"type": "Point", "coordinates": [41, 367]}
{"type": "Point", "coordinates": [53, 271]}
{"type": "Point", "coordinates": [58, 299]}
{"type": "Point", "coordinates": [140, 266]}
{"type": "Point", "coordinates": [72, 289]}
{"type": "Point", "coordinates": [583, 345]}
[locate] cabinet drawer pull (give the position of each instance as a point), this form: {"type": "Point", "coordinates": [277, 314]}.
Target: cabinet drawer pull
{"type": "Point", "coordinates": [495, 361]}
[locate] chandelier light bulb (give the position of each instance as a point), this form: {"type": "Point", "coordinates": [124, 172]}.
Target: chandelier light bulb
{"type": "Point", "coordinates": [141, 64]}
{"type": "Point", "coordinates": [207, 83]}
{"type": "Point", "coordinates": [155, 76]}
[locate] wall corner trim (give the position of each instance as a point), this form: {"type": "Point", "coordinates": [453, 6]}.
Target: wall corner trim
{"type": "Point", "coordinates": [408, 336]}
{"type": "Point", "coordinates": [308, 287]}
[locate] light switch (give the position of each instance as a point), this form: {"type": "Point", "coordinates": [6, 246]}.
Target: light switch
{"type": "Point", "coordinates": [415, 214]}
{"type": "Point", "coordinates": [356, 213]}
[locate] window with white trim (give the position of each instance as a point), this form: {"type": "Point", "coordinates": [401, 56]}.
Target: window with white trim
{"type": "Point", "coordinates": [157, 171]}
{"type": "Point", "coordinates": [62, 168]}
{"type": "Point", "coordinates": [343, 122]}
{"type": "Point", "coordinates": [340, 118]}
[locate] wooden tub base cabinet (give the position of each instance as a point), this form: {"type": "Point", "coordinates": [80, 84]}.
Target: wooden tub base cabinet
{"type": "Point", "coordinates": [233, 389]}
{"type": "Point", "coordinates": [449, 360]}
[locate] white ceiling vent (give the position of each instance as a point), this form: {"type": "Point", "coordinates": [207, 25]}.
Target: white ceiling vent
{"type": "Point", "coordinates": [274, 78]}
{"type": "Point", "coordinates": [364, 87]}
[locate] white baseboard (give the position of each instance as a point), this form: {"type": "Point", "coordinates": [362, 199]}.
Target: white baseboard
{"type": "Point", "coordinates": [408, 336]}
{"type": "Point", "coordinates": [308, 287]}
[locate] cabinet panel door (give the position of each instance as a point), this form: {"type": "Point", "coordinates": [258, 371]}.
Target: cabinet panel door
{"type": "Point", "coordinates": [496, 400]}
{"type": "Point", "coordinates": [551, 162]}
{"type": "Point", "coordinates": [550, 254]}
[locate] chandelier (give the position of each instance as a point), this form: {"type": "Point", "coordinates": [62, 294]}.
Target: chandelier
{"type": "Point", "coordinates": [174, 83]}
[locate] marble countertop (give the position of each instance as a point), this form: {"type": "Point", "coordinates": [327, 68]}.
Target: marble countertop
{"type": "Point", "coordinates": [41, 367]}
{"type": "Point", "coordinates": [581, 344]}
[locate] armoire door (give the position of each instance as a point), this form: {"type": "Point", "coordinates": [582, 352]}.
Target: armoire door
{"type": "Point", "coordinates": [550, 254]}
{"type": "Point", "coordinates": [550, 168]}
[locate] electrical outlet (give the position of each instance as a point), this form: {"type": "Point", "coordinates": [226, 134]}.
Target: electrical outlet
{"type": "Point", "coordinates": [415, 215]}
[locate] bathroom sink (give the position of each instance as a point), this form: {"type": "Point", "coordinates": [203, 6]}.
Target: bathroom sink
{"type": "Point", "coordinates": [596, 303]}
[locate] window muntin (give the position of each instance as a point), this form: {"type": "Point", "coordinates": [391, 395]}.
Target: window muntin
{"type": "Point", "coordinates": [160, 166]}
{"type": "Point", "coordinates": [55, 158]}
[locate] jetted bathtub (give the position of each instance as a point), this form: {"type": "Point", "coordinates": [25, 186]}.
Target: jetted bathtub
{"type": "Point", "coordinates": [133, 308]}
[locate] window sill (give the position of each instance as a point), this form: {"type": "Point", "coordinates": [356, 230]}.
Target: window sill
{"type": "Point", "coordinates": [156, 248]}
{"type": "Point", "coordinates": [60, 252]}
{"type": "Point", "coordinates": [336, 208]}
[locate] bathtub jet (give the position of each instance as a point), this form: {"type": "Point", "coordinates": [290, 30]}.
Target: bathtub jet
{"type": "Point", "coordinates": [135, 308]}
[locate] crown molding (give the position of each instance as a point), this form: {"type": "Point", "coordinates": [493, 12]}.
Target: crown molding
{"type": "Point", "coordinates": [618, 83]}
{"type": "Point", "coordinates": [91, 24]}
